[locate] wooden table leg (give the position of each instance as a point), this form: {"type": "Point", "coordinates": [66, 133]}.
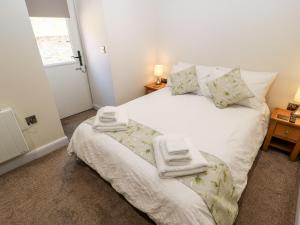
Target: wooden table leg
{"type": "Point", "coordinates": [295, 152]}
{"type": "Point", "coordinates": [269, 135]}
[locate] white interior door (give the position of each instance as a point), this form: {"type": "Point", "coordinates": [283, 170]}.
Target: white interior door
{"type": "Point", "coordinates": [60, 49]}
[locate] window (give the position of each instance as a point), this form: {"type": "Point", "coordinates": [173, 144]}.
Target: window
{"type": "Point", "coordinates": [53, 40]}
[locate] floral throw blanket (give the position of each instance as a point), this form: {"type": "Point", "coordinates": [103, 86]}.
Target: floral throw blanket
{"type": "Point", "coordinates": [215, 185]}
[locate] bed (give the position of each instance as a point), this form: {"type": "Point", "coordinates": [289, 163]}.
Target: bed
{"type": "Point", "coordinates": [234, 135]}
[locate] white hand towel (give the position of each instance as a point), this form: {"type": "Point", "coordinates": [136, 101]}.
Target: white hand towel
{"type": "Point", "coordinates": [107, 120]}
{"type": "Point", "coordinates": [176, 144]}
{"type": "Point", "coordinates": [121, 122]}
{"type": "Point", "coordinates": [174, 160]}
{"type": "Point", "coordinates": [111, 129]}
{"type": "Point", "coordinates": [198, 163]}
{"type": "Point", "coordinates": [109, 111]}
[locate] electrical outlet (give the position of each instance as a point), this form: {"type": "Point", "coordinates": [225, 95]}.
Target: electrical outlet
{"type": "Point", "coordinates": [31, 120]}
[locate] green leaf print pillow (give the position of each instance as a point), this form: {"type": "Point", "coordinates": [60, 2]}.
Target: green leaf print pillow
{"type": "Point", "coordinates": [184, 81]}
{"type": "Point", "coordinates": [229, 89]}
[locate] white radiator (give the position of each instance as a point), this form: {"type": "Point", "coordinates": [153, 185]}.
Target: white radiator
{"type": "Point", "coordinates": [12, 142]}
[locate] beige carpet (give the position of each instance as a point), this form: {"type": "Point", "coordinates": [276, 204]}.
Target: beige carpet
{"type": "Point", "coordinates": [57, 190]}
{"type": "Point", "coordinates": [271, 194]}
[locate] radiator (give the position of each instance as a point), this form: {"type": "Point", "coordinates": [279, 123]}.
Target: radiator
{"type": "Point", "coordinates": [12, 142]}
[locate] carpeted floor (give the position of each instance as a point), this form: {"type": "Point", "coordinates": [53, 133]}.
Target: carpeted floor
{"type": "Point", "coordinates": [57, 190]}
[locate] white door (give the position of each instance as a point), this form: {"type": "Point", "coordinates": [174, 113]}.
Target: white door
{"type": "Point", "coordinates": [60, 49]}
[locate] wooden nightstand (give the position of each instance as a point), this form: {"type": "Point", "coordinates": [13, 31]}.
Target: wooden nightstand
{"type": "Point", "coordinates": [153, 87]}
{"type": "Point", "coordinates": [282, 134]}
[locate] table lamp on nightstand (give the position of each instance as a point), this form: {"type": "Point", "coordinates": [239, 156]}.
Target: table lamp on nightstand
{"type": "Point", "coordinates": [297, 102]}
{"type": "Point", "coordinates": [158, 72]}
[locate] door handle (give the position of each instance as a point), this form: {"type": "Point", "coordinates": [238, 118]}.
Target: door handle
{"type": "Point", "coordinates": [79, 57]}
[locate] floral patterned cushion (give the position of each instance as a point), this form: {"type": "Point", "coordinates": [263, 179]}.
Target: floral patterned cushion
{"type": "Point", "coordinates": [184, 81]}
{"type": "Point", "coordinates": [229, 89]}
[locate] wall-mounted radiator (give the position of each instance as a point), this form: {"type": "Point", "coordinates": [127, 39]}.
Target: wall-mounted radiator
{"type": "Point", "coordinates": [12, 142]}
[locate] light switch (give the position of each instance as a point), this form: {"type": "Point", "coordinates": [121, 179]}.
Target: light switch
{"type": "Point", "coordinates": [103, 49]}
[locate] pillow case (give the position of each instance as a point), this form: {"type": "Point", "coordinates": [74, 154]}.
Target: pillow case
{"type": "Point", "coordinates": [229, 89]}
{"type": "Point", "coordinates": [184, 81]}
{"type": "Point", "coordinates": [177, 68]}
{"type": "Point", "coordinates": [202, 72]}
{"type": "Point", "coordinates": [203, 90]}
{"type": "Point", "coordinates": [180, 66]}
{"type": "Point", "coordinates": [258, 82]}
{"type": "Point", "coordinates": [252, 102]}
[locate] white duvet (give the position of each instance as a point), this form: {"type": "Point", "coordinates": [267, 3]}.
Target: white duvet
{"type": "Point", "coordinates": [234, 135]}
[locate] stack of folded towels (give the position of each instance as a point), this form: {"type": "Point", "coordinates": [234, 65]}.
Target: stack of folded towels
{"type": "Point", "coordinates": [177, 156]}
{"type": "Point", "coordinates": [111, 118]}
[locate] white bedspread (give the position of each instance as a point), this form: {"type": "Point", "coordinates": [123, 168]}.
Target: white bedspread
{"type": "Point", "coordinates": [233, 134]}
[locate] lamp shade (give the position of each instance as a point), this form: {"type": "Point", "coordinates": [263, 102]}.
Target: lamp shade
{"type": "Point", "coordinates": [297, 96]}
{"type": "Point", "coordinates": [158, 70]}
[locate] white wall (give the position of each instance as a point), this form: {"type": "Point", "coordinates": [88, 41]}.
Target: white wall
{"type": "Point", "coordinates": [92, 27]}
{"type": "Point", "coordinates": [131, 33]}
{"type": "Point", "coordinates": [128, 30]}
{"type": "Point", "coordinates": [23, 84]}
{"type": "Point", "coordinates": [258, 35]}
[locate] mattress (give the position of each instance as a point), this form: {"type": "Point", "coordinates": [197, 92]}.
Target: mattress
{"type": "Point", "coordinates": [234, 135]}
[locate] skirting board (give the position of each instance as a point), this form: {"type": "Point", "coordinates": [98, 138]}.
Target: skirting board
{"type": "Point", "coordinates": [34, 154]}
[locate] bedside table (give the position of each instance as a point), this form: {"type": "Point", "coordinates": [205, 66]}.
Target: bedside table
{"type": "Point", "coordinates": [153, 87]}
{"type": "Point", "coordinates": [282, 134]}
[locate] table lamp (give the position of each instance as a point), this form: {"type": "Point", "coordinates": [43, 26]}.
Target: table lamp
{"type": "Point", "coordinates": [158, 72]}
{"type": "Point", "coordinates": [297, 101]}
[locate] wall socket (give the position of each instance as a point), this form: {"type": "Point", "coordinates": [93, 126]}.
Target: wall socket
{"type": "Point", "coordinates": [30, 120]}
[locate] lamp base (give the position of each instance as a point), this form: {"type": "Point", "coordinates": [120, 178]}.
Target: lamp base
{"type": "Point", "coordinates": [158, 81]}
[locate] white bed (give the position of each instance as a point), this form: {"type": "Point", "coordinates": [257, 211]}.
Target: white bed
{"type": "Point", "coordinates": [234, 135]}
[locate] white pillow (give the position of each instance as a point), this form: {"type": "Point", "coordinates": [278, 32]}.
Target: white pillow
{"type": "Point", "coordinates": [180, 66]}
{"type": "Point", "coordinates": [203, 90]}
{"type": "Point", "coordinates": [258, 82]}
{"type": "Point", "coordinates": [253, 102]}
{"type": "Point", "coordinates": [204, 71]}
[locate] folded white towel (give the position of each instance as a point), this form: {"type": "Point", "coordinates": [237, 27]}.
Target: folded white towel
{"type": "Point", "coordinates": [121, 122]}
{"type": "Point", "coordinates": [198, 163]}
{"type": "Point", "coordinates": [173, 160]}
{"type": "Point", "coordinates": [176, 144]}
{"type": "Point", "coordinates": [107, 120]}
{"type": "Point", "coordinates": [109, 111]}
{"type": "Point", "coordinates": [111, 129]}
{"type": "Point", "coordinates": [108, 114]}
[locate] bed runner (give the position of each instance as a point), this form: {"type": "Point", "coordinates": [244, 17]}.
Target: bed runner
{"type": "Point", "coordinates": [215, 185]}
